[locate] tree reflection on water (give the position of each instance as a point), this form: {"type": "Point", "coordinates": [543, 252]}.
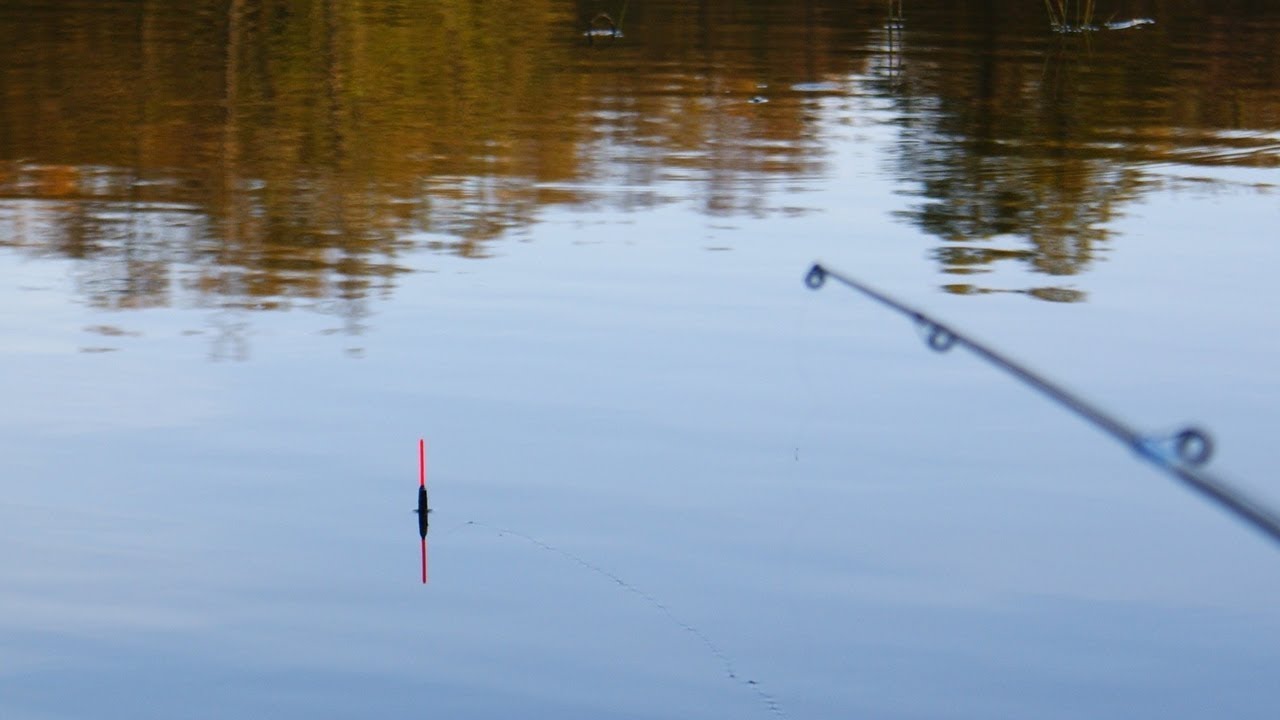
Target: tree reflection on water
{"type": "Point", "coordinates": [1029, 156]}
{"type": "Point", "coordinates": [251, 155]}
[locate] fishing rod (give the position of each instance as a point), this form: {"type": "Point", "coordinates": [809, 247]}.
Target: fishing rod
{"type": "Point", "coordinates": [1180, 454]}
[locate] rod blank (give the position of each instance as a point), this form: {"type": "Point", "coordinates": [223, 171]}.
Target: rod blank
{"type": "Point", "coordinates": [1179, 455]}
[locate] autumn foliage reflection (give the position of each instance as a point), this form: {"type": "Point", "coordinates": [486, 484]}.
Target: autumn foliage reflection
{"type": "Point", "coordinates": [1028, 153]}
{"type": "Point", "coordinates": [261, 153]}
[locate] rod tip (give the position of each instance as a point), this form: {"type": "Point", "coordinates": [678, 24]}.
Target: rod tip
{"type": "Point", "coordinates": [816, 277]}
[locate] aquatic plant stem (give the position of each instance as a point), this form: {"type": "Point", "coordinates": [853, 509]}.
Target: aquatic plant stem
{"type": "Point", "coordinates": [1054, 21]}
{"type": "Point", "coordinates": [1061, 12]}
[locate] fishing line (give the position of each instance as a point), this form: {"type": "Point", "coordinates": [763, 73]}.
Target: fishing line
{"type": "Point", "coordinates": [1179, 455]}
{"type": "Point", "coordinates": [807, 408]}
{"type": "Point", "coordinates": [800, 370]}
{"type": "Point", "coordinates": [726, 663]}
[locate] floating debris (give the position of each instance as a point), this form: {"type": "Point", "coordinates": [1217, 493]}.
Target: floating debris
{"type": "Point", "coordinates": [111, 331]}
{"type": "Point", "coordinates": [816, 87]}
{"type": "Point", "coordinates": [611, 33]}
{"type": "Point", "coordinates": [1126, 24]}
{"type": "Point", "coordinates": [1069, 29]}
{"type": "Point", "coordinates": [603, 26]}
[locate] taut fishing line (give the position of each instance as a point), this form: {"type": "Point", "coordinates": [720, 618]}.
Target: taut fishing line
{"type": "Point", "coordinates": [726, 663]}
{"type": "Point", "coordinates": [1179, 455]}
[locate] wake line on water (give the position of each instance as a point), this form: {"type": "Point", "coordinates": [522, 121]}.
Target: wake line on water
{"type": "Point", "coordinates": [767, 700]}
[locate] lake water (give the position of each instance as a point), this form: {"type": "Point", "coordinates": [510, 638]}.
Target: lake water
{"type": "Point", "coordinates": [251, 252]}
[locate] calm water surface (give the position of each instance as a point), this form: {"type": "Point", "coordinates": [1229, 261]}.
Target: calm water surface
{"type": "Point", "coordinates": [250, 252]}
